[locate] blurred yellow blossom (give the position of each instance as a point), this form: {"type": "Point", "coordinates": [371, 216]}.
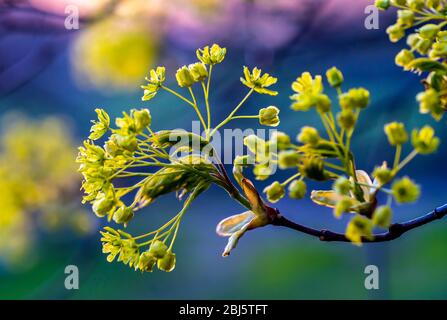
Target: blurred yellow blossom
{"type": "Point", "coordinates": [38, 184]}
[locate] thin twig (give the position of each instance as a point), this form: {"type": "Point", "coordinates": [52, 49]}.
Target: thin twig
{"type": "Point", "coordinates": [394, 232]}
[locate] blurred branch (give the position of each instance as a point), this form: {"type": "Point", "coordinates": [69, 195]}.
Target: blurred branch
{"type": "Point", "coordinates": [394, 232]}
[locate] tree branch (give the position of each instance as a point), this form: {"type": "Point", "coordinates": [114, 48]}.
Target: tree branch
{"type": "Point", "coordinates": [395, 230]}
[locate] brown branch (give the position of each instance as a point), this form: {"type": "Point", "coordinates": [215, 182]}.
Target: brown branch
{"type": "Point", "coordinates": [395, 230]}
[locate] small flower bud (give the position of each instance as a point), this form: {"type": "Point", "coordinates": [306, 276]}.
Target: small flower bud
{"type": "Point", "coordinates": [342, 206]}
{"type": "Point", "coordinates": [404, 57]}
{"type": "Point", "coordinates": [184, 77]}
{"type": "Point", "coordinates": [111, 146]}
{"type": "Point", "coordinates": [212, 55]}
{"type": "Point", "coordinates": [280, 139]}
{"type": "Point", "coordinates": [359, 97]}
{"type": "Point", "coordinates": [146, 262]}
{"type": "Point", "coordinates": [346, 119]}
{"type": "Point", "coordinates": [127, 142]}
{"type": "Point", "coordinates": [102, 206]}
{"type": "Point", "coordinates": [342, 186]}
{"type": "Point", "coordinates": [269, 116]}
{"type": "Point", "coordinates": [416, 4]}
{"type": "Point", "coordinates": [405, 190]}
{"type": "Point", "coordinates": [382, 174]}
{"type": "Point", "coordinates": [167, 263]}
{"type": "Point", "coordinates": [423, 45]}
{"type": "Point", "coordinates": [123, 215]}
{"type": "Point", "coordinates": [424, 140]}
{"type": "Point", "coordinates": [382, 4]}
{"type": "Point", "coordinates": [429, 102]}
{"type": "Point", "coordinates": [262, 171]}
{"type": "Point", "coordinates": [396, 133]}
{"type": "Point", "coordinates": [142, 119]}
{"type": "Point", "coordinates": [359, 227]}
{"type": "Point", "coordinates": [382, 216]}
{"type": "Point", "coordinates": [354, 98]}
{"type": "Point", "coordinates": [274, 192]}
{"type": "Point", "coordinates": [313, 168]}
{"type": "Point", "coordinates": [158, 249]}
{"type": "Point", "coordinates": [395, 32]}
{"type": "Point", "coordinates": [288, 159]}
{"type": "Point", "coordinates": [398, 2]}
{"type": "Point", "coordinates": [429, 31]}
{"type": "Point", "coordinates": [334, 77]}
{"type": "Point", "coordinates": [439, 50]}
{"type": "Point", "coordinates": [413, 40]}
{"type": "Point", "coordinates": [309, 135]}
{"type": "Point", "coordinates": [405, 18]}
{"type": "Point", "coordinates": [442, 36]}
{"type": "Point", "coordinates": [433, 4]}
{"type": "Point", "coordinates": [297, 189]}
{"type": "Point", "coordinates": [198, 71]}
{"type": "Point", "coordinates": [323, 103]}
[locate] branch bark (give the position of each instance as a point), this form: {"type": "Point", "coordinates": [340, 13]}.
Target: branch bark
{"type": "Point", "coordinates": [394, 232]}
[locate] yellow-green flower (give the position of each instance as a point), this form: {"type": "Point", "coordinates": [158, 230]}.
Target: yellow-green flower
{"type": "Point", "coordinates": [288, 159]}
{"type": "Point", "coordinates": [142, 119]}
{"type": "Point", "coordinates": [346, 119]}
{"type": "Point", "coordinates": [259, 147]}
{"type": "Point", "coordinates": [383, 174]}
{"type": "Point", "coordinates": [429, 102]}
{"type": "Point", "coordinates": [274, 192]}
{"type": "Point", "coordinates": [382, 216]}
{"type": "Point", "coordinates": [405, 18]}
{"type": "Point", "coordinates": [307, 91]}
{"type": "Point", "coordinates": [344, 205]}
{"type": "Point", "coordinates": [424, 140]}
{"type": "Point", "coordinates": [342, 186]}
{"type": "Point", "coordinates": [331, 198]}
{"type": "Point", "coordinates": [414, 4]}
{"type": "Point", "coordinates": [297, 189]}
{"type": "Point", "coordinates": [405, 190]}
{"type": "Point", "coordinates": [313, 168]}
{"type": "Point", "coordinates": [262, 171]}
{"type": "Point", "coordinates": [334, 77]}
{"type": "Point", "coordinates": [198, 71]}
{"type": "Point", "coordinates": [259, 83]}
{"type": "Point", "coordinates": [404, 58]}
{"type": "Point", "coordinates": [101, 126]}
{"type": "Point", "coordinates": [184, 77]}
{"type": "Point", "coordinates": [396, 133]}
{"type": "Point", "coordinates": [155, 81]}
{"type": "Point", "coordinates": [395, 32]}
{"type": "Point", "coordinates": [357, 228]}
{"type": "Point", "coordinates": [280, 139]}
{"type": "Point", "coordinates": [167, 263]}
{"type": "Point", "coordinates": [269, 116]}
{"type": "Point", "coordinates": [146, 262]}
{"type": "Point", "coordinates": [308, 135]}
{"type": "Point", "coordinates": [211, 56]}
{"type": "Point", "coordinates": [382, 4]}
{"type": "Point", "coordinates": [429, 31]}
{"type": "Point", "coordinates": [355, 98]}
{"type": "Point", "coordinates": [158, 249]}
{"type": "Point", "coordinates": [123, 215]}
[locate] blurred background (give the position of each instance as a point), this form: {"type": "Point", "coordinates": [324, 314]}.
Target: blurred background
{"type": "Point", "coordinates": [52, 79]}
